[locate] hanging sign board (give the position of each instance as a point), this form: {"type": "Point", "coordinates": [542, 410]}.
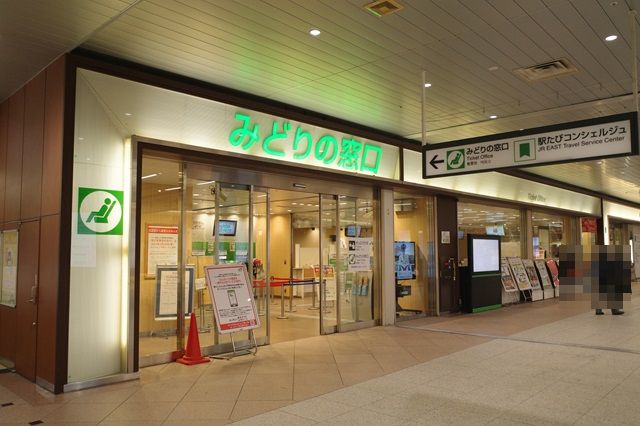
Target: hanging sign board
{"type": "Point", "coordinates": [610, 136]}
{"type": "Point", "coordinates": [232, 295]}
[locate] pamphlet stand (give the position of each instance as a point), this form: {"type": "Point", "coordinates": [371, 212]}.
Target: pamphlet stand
{"type": "Point", "coordinates": [536, 294]}
{"type": "Point", "coordinates": [252, 349]}
{"type": "Point", "coordinates": [527, 295]}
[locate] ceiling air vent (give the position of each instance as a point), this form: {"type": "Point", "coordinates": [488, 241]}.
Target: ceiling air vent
{"type": "Point", "coordinates": [546, 70]}
{"type": "Point", "coordinates": [383, 7]}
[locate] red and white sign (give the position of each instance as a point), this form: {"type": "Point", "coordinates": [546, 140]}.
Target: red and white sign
{"type": "Point", "coordinates": [233, 303]}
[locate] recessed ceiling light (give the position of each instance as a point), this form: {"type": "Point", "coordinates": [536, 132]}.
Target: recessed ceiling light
{"type": "Point", "coordinates": [427, 85]}
{"type": "Point", "coordinates": [493, 68]}
{"type": "Point", "coordinates": [128, 114]}
{"type": "Point", "coordinates": [315, 32]}
{"type": "Point", "coordinates": [493, 116]}
{"type": "Point", "coordinates": [611, 37]}
{"type": "Point", "coordinates": [599, 162]}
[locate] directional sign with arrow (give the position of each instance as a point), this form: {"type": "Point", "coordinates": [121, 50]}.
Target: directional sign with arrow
{"type": "Point", "coordinates": [434, 161]}
{"type": "Point", "coordinates": [603, 137]}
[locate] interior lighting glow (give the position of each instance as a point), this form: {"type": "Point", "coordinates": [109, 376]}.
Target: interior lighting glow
{"type": "Point", "coordinates": [315, 32]}
{"type": "Point", "coordinates": [611, 37]}
{"type": "Point", "coordinates": [493, 116]}
{"type": "Point", "coordinates": [427, 85]}
{"type": "Point", "coordinates": [172, 189]}
{"type": "Point", "coordinates": [149, 176]}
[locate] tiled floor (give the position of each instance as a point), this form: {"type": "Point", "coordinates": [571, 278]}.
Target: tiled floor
{"type": "Point", "coordinates": [385, 375]}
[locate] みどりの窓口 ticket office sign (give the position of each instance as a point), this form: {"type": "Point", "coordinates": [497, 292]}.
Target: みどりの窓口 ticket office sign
{"type": "Point", "coordinates": [610, 136]}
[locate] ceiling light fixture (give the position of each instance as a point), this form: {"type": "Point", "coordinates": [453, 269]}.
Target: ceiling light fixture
{"type": "Point", "coordinates": [611, 37]}
{"type": "Point", "coordinates": [149, 176]}
{"type": "Point", "coordinates": [128, 114]}
{"type": "Point", "coordinates": [493, 116]}
{"type": "Point", "coordinates": [427, 85]}
{"type": "Point", "coordinates": [314, 32]}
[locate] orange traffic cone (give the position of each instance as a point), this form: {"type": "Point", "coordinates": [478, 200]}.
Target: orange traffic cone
{"type": "Point", "coordinates": [193, 355]}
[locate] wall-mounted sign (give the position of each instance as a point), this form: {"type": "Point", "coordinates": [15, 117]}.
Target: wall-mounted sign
{"type": "Point", "coordinates": [9, 277]}
{"type": "Point", "coordinates": [232, 295]}
{"type": "Point", "coordinates": [603, 137]}
{"type": "Point", "coordinates": [100, 211]}
{"type": "Point", "coordinates": [284, 139]}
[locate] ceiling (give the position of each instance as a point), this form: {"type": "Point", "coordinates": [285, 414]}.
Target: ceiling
{"type": "Point", "coordinates": [366, 69]}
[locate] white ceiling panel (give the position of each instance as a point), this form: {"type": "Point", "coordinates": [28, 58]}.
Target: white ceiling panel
{"type": "Point", "coordinates": [363, 68]}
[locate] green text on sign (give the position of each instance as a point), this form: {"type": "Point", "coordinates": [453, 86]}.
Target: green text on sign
{"type": "Point", "coordinates": [348, 153]}
{"type": "Point", "coordinates": [100, 211]}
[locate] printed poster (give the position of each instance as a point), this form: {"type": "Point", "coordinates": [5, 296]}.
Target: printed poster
{"type": "Point", "coordinates": [531, 273]}
{"type": "Point", "coordinates": [162, 247]}
{"type": "Point", "coordinates": [542, 271]}
{"type": "Point", "coordinates": [233, 303]}
{"type": "Point", "coordinates": [9, 268]}
{"type": "Point", "coordinates": [507, 279]}
{"type": "Point", "coordinates": [519, 273]}
{"type": "Point", "coordinates": [359, 252]}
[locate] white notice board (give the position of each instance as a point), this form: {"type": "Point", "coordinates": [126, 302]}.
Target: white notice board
{"type": "Point", "coordinates": [167, 291]}
{"type": "Point", "coordinates": [232, 295]}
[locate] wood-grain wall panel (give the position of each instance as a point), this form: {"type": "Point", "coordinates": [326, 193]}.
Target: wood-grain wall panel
{"type": "Point", "coordinates": [32, 148]}
{"type": "Point", "coordinates": [4, 118]}
{"type": "Point", "coordinates": [48, 297]}
{"type": "Point", "coordinates": [52, 149]}
{"type": "Point", "coordinates": [13, 180]}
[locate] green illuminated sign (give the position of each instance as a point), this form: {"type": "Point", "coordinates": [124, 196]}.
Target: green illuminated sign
{"type": "Point", "coordinates": [348, 153]}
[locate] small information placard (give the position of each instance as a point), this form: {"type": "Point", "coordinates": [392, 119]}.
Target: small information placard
{"type": "Point", "coordinates": [232, 295]}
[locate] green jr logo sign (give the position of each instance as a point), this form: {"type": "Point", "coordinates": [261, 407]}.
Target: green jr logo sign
{"type": "Point", "coordinates": [100, 211]}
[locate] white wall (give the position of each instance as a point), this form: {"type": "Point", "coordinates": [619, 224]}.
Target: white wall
{"type": "Point", "coordinates": [96, 335]}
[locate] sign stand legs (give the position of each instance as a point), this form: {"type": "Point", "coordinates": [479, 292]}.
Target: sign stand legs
{"type": "Point", "coordinates": [251, 349]}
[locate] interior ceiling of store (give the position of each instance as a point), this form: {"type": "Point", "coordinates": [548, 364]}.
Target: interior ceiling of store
{"type": "Point", "coordinates": [363, 68]}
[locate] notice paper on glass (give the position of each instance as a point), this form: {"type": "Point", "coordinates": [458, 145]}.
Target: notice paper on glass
{"type": "Point", "coordinates": [232, 295]}
{"type": "Point", "coordinates": [9, 277]}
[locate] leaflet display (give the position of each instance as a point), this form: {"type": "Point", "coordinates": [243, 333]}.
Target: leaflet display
{"type": "Point", "coordinates": [232, 295]}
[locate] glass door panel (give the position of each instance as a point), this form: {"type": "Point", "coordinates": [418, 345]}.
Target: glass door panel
{"type": "Point", "coordinates": [356, 260]}
{"type": "Point", "coordinates": [161, 204]}
{"type": "Point", "coordinates": [328, 288]}
{"type": "Point", "coordinates": [259, 267]}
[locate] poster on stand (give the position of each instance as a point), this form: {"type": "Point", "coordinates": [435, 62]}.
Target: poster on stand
{"type": "Point", "coordinates": [541, 266]}
{"type": "Point", "coordinates": [508, 282]}
{"type": "Point", "coordinates": [167, 291]}
{"type": "Point", "coordinates": [9, 281]}
{"type": "Point", "coordinates": [531, 273]}
{"type": "Point", "coordinates": [232, 295]}
{"type": "Point", "coordinates": [162, 247]}
{"type": "Point", "coordinates": [519, 273]}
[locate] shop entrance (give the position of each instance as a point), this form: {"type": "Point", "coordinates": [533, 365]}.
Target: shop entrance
{"type": "Point", "coordinates": [310, 254]}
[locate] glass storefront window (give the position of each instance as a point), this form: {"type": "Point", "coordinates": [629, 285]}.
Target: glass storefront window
{"type": "Point", "coordinates": [550, 231]}
{"type": "Point", "coordinates": [480, 219]}
{"type": "Point", "coordinates": [414, 252]}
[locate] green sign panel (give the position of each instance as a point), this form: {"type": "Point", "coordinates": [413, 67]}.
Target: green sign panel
{"type": "Point", "coordinates": [100, 211]}
{"type": "Point", "coordinates": [283, 140]}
